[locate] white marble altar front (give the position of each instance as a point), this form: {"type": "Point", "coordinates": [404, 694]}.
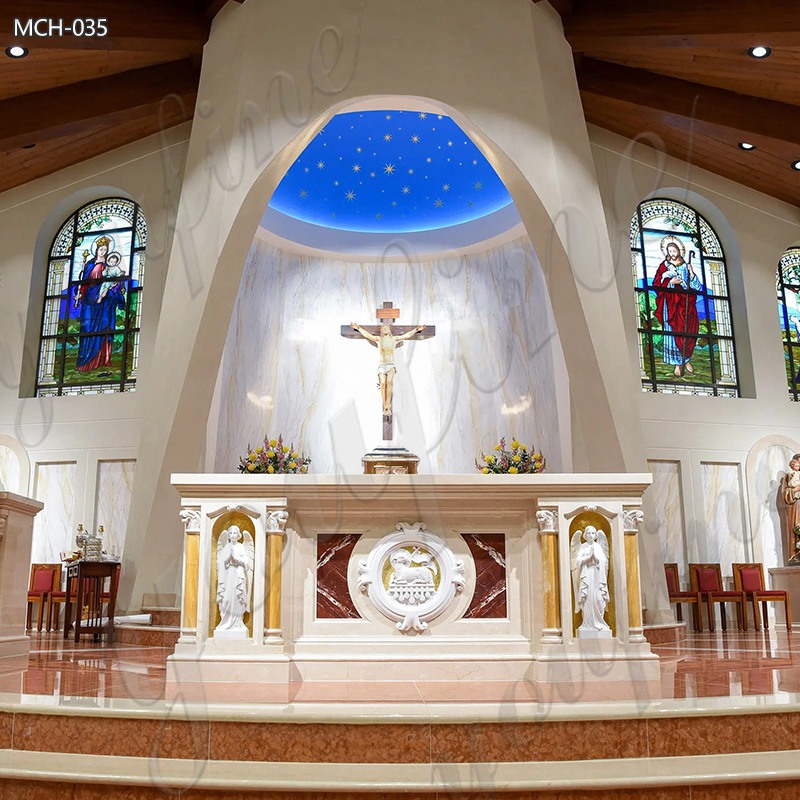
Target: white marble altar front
{"type": "Point", "coordinates": [422, 564]}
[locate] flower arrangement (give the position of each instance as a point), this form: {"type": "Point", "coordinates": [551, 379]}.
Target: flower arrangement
{"type": "Point", "coordinates": [518, 460]}
{"type": "Point", "coordinates": [273, 458]}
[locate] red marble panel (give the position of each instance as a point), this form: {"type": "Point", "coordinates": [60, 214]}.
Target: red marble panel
{"type": "Point", "coordinates": [489, 553]}
{"type": "Point", "coordinates": [333, 556]}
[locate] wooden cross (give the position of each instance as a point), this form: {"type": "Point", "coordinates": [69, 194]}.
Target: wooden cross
{"type": "Point", "coordinates": [387, 343]}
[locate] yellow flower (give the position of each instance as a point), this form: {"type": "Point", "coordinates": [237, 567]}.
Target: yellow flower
{"type": "Point", "coordinates": [516, 459]}
{"type": "Point", "coordinates": [285, 449]}
{"type": "Point", "coordinates": [515, 444]}
{"type": "Point", "coordinates": [259, 450]}
{"type": "Point", "coordinates": [497, 447]}
{"type": "Point", "coordinates": [485, 470]}
{"type": "Point", "coordinates": [270, 469]}
{"type": "Point", "coordinates": [295, 454]}
{"type": "Point", "coordinates": [490, 459]}
{"type": "Point", "coordinates": [513, 470]}
{"type": "Point", "coordinates": [273, 442]}
{"type": "Point", "coordinates": [251, 457]}
{"type": "Point", "coordinates": [523, 448]}
{"type": "Point", "coordinates": [270, 454]}
{"type": "Point", "coordinates": [303, 469]}
{"type": "Point", "coordinates": [292, 465]}
{"type": "Point", "coordinates": [251, 467]}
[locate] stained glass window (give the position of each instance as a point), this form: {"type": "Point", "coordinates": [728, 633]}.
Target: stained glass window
{"type": "Point", "coordinates": [683, 310]}
{"type": "Point", "coordinates": [93, 301]}
{"type": "Point", "coordinates": [788, 286]}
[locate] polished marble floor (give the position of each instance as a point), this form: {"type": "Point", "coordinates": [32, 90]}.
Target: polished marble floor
{"type": "Point", "coordinates": [733, 665]}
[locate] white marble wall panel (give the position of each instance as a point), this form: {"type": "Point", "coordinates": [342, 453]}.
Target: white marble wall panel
{"type": "Point", "coordinates": [113, 501]}
{"type": "Point", "coordinates": [54, 526]}
{"type": "Point", "coordinates": [488, 372]}
{"type": "Point", "coordinates": [9, 470]}
{"type": "Point", "coordinates": [668, 503]}
{"type": "Point", "coordinates": [724, 539]}
{"type": "Point", "coordinates": [770, 467]}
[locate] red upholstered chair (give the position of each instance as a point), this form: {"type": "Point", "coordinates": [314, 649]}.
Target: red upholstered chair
{"type": "Point", "coordinates": [58, 598]}
{"type": "Point", "coordinates": [45, 578]}
{"type": "Point", "coordinates": [749, 578]}
{"type": "Point", "coordinates": [707, 579]}
{"type": "Point", "coordinates": [678, 597]}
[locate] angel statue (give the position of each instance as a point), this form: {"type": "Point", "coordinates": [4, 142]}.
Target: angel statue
{"type": "Point", "coordinates": [235, 558]}
{"type": "Point", "coordinates": [590, 580]}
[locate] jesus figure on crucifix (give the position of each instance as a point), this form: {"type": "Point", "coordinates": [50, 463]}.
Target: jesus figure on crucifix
{"type": "Point", "coordinates": [387, 342]}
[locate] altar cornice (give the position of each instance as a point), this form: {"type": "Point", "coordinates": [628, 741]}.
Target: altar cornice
{"type": "Point", "coordinates": [419, 487]}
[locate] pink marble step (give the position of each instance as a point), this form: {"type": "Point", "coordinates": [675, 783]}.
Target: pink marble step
{"type": "Point", "coordinates": [146, 635]}
{"type": "Point", "coordinates": [169, 617]}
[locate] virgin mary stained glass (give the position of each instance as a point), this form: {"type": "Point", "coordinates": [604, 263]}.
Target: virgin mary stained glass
{"type": "Point", "coordinates": [788, 286]}
{"type": "Point", "coordinates": [92, 307]}
{"type": "Point", "coordinates": [683, 313]}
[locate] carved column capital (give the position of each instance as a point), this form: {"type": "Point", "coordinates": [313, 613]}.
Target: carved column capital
{"type": "Point", "coordinates": [3, 523]}
{"type": "Point", "coordinates": [546, 519]}
{"type": "Point", "coordinates": [191, 519]}
{"type": "Point", "coordinates": [632, 519]}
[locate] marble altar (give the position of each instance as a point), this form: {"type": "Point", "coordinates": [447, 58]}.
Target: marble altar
{"type": "Point", "coordinates": [402, 577]}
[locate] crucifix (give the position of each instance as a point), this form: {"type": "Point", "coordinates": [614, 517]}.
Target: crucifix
{"type": "Point", "coordinates": [387, 337]}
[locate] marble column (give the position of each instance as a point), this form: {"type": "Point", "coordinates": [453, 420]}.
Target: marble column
{"type": "Point", "coordinates": [16, 534]}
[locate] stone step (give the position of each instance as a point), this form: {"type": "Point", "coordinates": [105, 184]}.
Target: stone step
{"type": "Point", "coordinates": [165, 616]}
{"type": "Point", "coordinates": [147, 635]}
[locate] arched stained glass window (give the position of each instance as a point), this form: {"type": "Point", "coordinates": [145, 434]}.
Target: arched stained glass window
{"type": "Point", "coordinates": [683, 310]}
{"type": "Point", "coordinates": [788, 286]}
{"type": "Point", "coordinates": [93, 301]}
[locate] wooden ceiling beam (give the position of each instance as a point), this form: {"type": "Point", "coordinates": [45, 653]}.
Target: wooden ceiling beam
{"type": "Point", "coordinates": [72, 109]}
{"type": "Point", "coordinates": [686, 101]}
{"type": "Point", "coordinates": [609, 26]}
{"type": "Point", "coordinates": [174, 25]}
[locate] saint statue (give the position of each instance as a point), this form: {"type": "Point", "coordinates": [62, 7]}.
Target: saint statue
{"type": "Point", "coordinates": [790, 491]}
{"type": "Point", "coordinates": [235, 560]}
{"type": "Point", "coordinates": [387, 342]}
{"type": "Point", "coordinates": [590, 580]}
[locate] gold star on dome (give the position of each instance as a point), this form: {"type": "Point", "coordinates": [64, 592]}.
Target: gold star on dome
{"type": "Point", "coordinates": [415, 139]}
{"type": "Point", "coordinates": [478, 185]}
{"type": "Point", "coordinates": [428, 159]}
{"type": "Point", "coordinates": [411, 171]}
{"type": "Point", "coordinates": [439, 203]}
{"type": "Point", "coordinates": [356, 167]}
{"type": "Point", "coordinates": [445, 187]}
{"type": "Point", "coordinates": [358, 149]}
{"type": "Point", "coordinates": [439, 116]}
{"type": "Point", "coordinates": [474, 162]}
{"type": "Point", "coordinates": [405, 190]}
{"type": "Point", "coordinates": [389, 169]}
{"type": "Point", "coordinates": [372, 174]}
{"type": "Point", "coordinates": [351, 195]}
{"type": "Point", "coordinates": [379, 215]}
{"type": "Point", "coordinates": [449, 142]}
{"type": "Point", "coordinates": [388, 116]}
{"type": "Point", "coordinates": [423, 115]}
{"type": "Point", "coordinates": [387, 137]}
{"type": "Point", "coordinates": [320, 165]}
{"type": "Point", "coordinates": [303, 194]}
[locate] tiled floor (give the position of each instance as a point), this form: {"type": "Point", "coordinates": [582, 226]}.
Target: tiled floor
{"type": "Point", "coordinates": [731, 665]}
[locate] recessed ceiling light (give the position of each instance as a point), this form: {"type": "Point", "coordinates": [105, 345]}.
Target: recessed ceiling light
{"type": "Point", "coordinates": [16, 51]}
{"type": "Point", "coordinates": [796, 165]}
{"type": "Point", "coordinates": [747, 146]}
{"type": "Point", "coordinates": [759, 51]}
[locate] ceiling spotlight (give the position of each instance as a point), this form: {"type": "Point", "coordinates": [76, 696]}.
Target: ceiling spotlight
{"type": "Point", "coordinates": [796, 165]}
{"type": "Point", "coordinates": [16, 51]}
{"type": "Point", "coordinates": [746, 146]}
{"type": "Point", "coordinates": [759, 51]}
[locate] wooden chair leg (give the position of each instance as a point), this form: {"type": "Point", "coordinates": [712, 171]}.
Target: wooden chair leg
{"type": "Point", "coordinates": [765, 615]}
{"type": "Point", "coordinates": [711, 624]}
{"type": "Point", "coordinates": [788, 614]}
{"type": "Point", "coordinates": [723, 617]}
{"type": "Point", "coordinates": [41, 613]}
{"type": "Point", "coordinates": [28, 616]}
{"type": "Point", "coordinates": [696, 610]}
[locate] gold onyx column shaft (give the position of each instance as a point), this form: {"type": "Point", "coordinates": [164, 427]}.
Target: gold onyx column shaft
{"type": "Point", "coordinates": [551, 592]}
{"type": "Point", "coordinates": [632, 579]}
{"type": "Point", "coordinates": [191, 573]}
{"type": "Point", "coordinates": [276, 523]}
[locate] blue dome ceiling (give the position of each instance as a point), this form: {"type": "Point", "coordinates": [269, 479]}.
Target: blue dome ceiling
{"type": "Point", "coordinates": [390, 172]}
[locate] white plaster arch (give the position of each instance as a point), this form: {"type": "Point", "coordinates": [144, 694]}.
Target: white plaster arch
{"type": "Point", "coordinates": [228, 181]}
{"type": "Point", "coordinates": [24, 460]}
